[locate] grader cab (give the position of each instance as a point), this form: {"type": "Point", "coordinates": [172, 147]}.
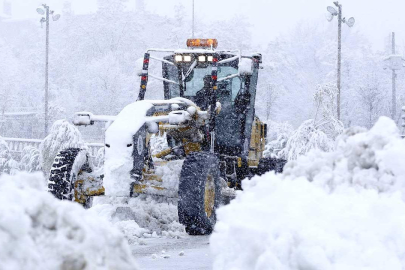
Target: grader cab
{"type": "Point", "coordinates": [214, 140]}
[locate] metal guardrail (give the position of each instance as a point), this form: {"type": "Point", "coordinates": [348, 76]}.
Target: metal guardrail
{"type": "Point", "coordinates": [17, 145]}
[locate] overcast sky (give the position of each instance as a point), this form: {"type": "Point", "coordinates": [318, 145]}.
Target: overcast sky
{"type": "Point", "coordinates": [374, 18]}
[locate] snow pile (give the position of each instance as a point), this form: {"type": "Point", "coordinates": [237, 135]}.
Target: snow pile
{"type": "Point", "coordinates": [341, 210]}
{"type": "Point", "coordinates": [38, 231]}
{"type": "Point", "coordinates": [169, 171]}
{"type": "Point", "coordinates": [140, 217]}
{"type": "Point", "coordinates": [372, 159]}
{"type": "Point", "coordinates": [293, 224]}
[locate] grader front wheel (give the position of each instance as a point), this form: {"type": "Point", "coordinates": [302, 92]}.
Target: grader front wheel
{"type": "Point", "coordinates": [63, 181]}
{"type": "Point", "coordinates": [199, 193]}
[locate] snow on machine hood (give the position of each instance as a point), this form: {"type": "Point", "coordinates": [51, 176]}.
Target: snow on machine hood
{"type": "Point", "coordinates": [120, 138]}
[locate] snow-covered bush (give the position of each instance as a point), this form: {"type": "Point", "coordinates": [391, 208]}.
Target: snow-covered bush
{"type": "Point", "coordinates": [30, 159]}
{"type": "Point", "coordinates": [37, 231]}
{"type": "Point", "coordinates": [340, 210]}
{"type": "Point", "coordinates": [304, 139]}
{"type": "Point", "coordinates": [277, 137]}
{"type": "Point", "coordinates": [63, 135]}
{"type": "Point", "coordinates": [7, 163]}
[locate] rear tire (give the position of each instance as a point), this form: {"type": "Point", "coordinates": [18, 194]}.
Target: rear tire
{"type": "Point", "coordinates": [68, 164]}
{"type": "Point", "coordinates": [199, 193]}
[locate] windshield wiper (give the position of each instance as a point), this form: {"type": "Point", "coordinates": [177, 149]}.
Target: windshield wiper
{"type": "Point", "coordinates": [193, 65]}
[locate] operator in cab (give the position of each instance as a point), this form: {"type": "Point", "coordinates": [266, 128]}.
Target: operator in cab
{"type": "Point", "coordinates": [202, 96]}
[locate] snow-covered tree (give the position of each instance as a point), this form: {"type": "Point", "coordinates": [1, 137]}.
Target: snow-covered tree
{"type": "Point", "coordinates": [304, 139]}
{"type": "Point", "coordinates": [372, 101]}
{"type": "Point", "coordinates": [63, 135]}
{"type": "Point", "coordinates": [317, 133]}
{"type": "Point", "coordinates": [325, 116]}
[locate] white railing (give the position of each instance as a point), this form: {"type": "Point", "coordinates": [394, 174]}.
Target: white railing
{"type": "Point", "coordinates": [94, 147]}
{"type": "Point", "coordinates": [17, 145]}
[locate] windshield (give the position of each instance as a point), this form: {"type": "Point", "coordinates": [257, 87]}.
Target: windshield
{"type": "Point", "coordinates": [228, 89]}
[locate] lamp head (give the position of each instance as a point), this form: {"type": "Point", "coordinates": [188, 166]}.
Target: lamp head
{"type": "Point", "coordinates": [332, 11]}
{"type": "Point", "coordinates": [40, 11]}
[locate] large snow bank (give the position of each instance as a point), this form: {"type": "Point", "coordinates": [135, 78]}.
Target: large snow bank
{"type": "Point", "coordinates": [38, 231]}
{"type": "Point", "coordinates": [373, 159]}
{"type": "Point", "coordinates": [338, 210]}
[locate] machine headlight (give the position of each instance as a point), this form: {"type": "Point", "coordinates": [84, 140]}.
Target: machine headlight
{"type": "Point", "coordinates": [210, 58]}
{"type": "Point", "coordinates": [178, 58]}
{"type": "Point", "coordinates": [201, 58]}
{"type": "Point", "coordinates": [187, 58]}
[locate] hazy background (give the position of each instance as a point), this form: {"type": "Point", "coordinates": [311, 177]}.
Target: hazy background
{"type": "Point", "coordinates": [96, 43]}
{"type": "Point", "coordinates": [269, 18]}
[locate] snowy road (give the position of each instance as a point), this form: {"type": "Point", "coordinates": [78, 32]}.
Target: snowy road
{"type": "Point", "coordinates": [191, 252]}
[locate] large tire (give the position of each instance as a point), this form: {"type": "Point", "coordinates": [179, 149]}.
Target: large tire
{"type": "Point", "coordinates": [199, 193]}
{"type": "Point", "coordinates": [270, 164]}
{"type": "Point", "coordinates": [64, 171]}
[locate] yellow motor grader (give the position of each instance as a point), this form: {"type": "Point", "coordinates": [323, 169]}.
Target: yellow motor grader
{"type": "Point", "coordinates": [209, 123]}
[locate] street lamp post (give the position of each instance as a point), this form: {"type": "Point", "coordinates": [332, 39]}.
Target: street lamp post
{"type": "Point", "coordinates": [193, 21]}
{"type": "Point", "coordinates": [350, 22]}
{"type": "Point", "coordinates": [45, 20]}
{"type": "Point", "coordinates": [395, 62]}
{"type": "Point", "coordinates": [394, 76]}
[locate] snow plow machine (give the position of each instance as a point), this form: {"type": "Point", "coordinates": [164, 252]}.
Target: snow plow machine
{"type": "Point", "coordinates": [209, 125]}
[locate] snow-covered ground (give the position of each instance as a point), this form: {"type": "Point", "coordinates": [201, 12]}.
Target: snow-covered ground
{"type": "Point", "coordinates": [189, 252]}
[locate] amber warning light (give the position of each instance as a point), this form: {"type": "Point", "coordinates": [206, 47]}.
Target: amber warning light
{"type": "Point", "coordinates": [202, 43]}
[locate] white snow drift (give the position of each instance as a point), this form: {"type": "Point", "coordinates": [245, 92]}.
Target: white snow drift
{"type": "Point", "coordinates": [38, 231]}
{"type": "Point", "coordinates": [341, 210]}
{"type": "Point", "coordinates": [140, 217]}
